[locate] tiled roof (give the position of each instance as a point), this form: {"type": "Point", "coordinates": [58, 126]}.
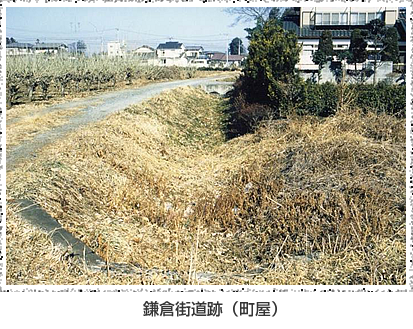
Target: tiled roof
{"type": "Point", "coordinates": [19, 45]}
{"type": "Point", "coordinates": [49, 45]}
{"type": "Point", "coordinates": [223, 57]}
{"type": "Point", "coordinates": [310, 33]}
{"type": "Point", "coordinates": [193, 47]}
{"type": "Point", "coordinates": [170, 45]}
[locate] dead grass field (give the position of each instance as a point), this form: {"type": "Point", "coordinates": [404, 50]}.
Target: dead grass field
{"type": "Point", "coordinates": [301, 201]}
{"type": "Point", "coordinates": [29, 126]}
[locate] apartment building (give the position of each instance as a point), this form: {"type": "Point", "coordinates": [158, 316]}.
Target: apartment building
{"type": "Point", "coordinates": [309, 23]}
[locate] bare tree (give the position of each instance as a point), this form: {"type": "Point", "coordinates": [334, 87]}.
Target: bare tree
{"type": "Point", "coordinates": [248, 14]}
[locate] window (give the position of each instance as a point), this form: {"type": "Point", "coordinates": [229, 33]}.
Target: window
{"type": "Point", "coordinates": [362, 19]}
{"type": "Point", "coordinates": [326, 19]}
{"type": "Point", "coordinates": [371, 16]}
{"type": "Point", "coordinates": [354, 19]}
{"type": "Point", "coordinates": [318, 19]}
{"type": "Point", "coordinates": [344, 18]}
{"type": "Point", "coordinates": [334, 19]}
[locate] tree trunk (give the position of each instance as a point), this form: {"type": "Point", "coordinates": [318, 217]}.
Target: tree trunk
{"type": "Point", "coordinates": [8, 100]}
{"type": "Point", "coordinates": [30, 93]}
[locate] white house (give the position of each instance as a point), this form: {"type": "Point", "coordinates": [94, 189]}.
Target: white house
{"type": "Point", "coordinates": [144, 52]}
{"type": "Point", "coordinates": [171, 53]}
{"type": "Point", "coordinates": [194, 51]}
{"type": "Point", "coordinates": [116, 49]}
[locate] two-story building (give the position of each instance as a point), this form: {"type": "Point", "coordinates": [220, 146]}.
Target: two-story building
{"type": "Point", "coordinates": [171, 53]}
{"type": "Point", "coordinates": [193, 51]}
{"type": "Point", "coordinates": [116, 49]}
{"type": "Point", "coordinates": [309, 23]}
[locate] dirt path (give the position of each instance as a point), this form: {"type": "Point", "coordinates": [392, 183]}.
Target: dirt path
{"type": "Point", "coordinates": [94, 109]}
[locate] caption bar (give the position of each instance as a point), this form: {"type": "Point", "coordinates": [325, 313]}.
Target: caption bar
{"type": "Point", "coordinates": [215, 309]}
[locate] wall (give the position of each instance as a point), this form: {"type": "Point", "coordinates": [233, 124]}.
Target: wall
{"type": "Point", "coordinates": [169, 53]}
{"type": "Point", "coordinates": [384, 72]}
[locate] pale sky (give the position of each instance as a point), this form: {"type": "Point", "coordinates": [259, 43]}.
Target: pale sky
{"type": "Point", "coordinates": [137, 26]}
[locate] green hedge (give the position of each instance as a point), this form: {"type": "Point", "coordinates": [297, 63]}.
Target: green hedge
{"type": "Point", "coordinates": [308, 98]}
{"type": "Point", "coordinates": [322, 99]}
{"type": "Point", "coordinates": [390, 99]}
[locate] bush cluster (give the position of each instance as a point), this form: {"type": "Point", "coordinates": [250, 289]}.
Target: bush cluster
{"type": "Point", "coordinates": [307, 98]}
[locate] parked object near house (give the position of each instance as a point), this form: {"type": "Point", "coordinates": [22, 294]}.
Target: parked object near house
{"type": "Point", "coordinates": [200, 61]}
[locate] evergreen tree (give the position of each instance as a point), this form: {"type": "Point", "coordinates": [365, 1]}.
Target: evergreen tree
{"type": "Point", "coordinates": [275, 16]}
{"type": "Point", "coordinates": [272, 57]}
{"type": "Point", "coordinates": [326, 44]}
{"type": "Point", "coordinates": [391, 46]}
{"type": "Point", "coordinates": [236, 47]}
{"type": "Point", "coordinates": [324, 52]}
{"type": "Point", "coordinates": [376, 34]}
{"type": "Point", "coordinates": [358, 48]}
{"type": "Point", "coordinates": [275, 13]}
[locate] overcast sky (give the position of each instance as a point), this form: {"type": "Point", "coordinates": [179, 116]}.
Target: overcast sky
{"type": "Point", "coordinates": [137, 26]}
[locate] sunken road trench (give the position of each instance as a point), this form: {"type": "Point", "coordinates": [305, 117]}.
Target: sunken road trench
{"type": "Point", "coordinates": [96, 108]}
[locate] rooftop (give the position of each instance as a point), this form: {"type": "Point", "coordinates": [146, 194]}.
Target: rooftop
{"type": "Point", "coordinates": [170, 45]}
{"type": "Point", "coordinates": [19, 45]}
{"type": "Point", "coordinates": [310, 33]}
{"type": "Point", "coordinates": [223, 57]}
{"type": "Point", "coordinates": [193, 47]}
{"type": "Point", "coordinates": [49, 45]}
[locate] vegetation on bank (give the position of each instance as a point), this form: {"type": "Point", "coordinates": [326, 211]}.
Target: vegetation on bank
{"type": "Point", "coordinates": [303, 200]}
{"type": "Point", "coordinates": [270, 87]}
{"type": "Point", "coordinates": [41, 77]}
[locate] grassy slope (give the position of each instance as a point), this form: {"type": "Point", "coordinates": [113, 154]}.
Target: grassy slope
{"type": "Point", "coordinates": [301, 201]}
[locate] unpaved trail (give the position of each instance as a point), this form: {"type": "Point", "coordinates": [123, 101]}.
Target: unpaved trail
{"type": "Point", "coordinates": [95, 108]}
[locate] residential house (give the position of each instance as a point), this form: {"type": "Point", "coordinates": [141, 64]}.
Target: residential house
{"type": "Point", "coordinates": [144, 52]}
{"type": "Point", "coordinates": [171, 53]}
{"type": "Point", "coordinates": [18, 48]}
{"type": "Point", "coordinates": [50, 48]}
{"type": "Point", "coordinates": [309, 23]}
{"type": "Point", "coordinates": [193, 51]}
{"type": "Point", "coordinates": [116, 49]}
{"type": "Point", "coordinates": [218, 59]}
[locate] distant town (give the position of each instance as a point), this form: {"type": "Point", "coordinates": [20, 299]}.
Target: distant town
{"type": "Point", "coordinates": [170, 53]}
{"type": "Point", "coordinates": [308, 23]}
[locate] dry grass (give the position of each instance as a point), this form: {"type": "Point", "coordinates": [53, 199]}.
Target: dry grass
{"type": "Point", "coordinates": [301, 201]}
{"type": "Point", "coordinates": [30, 126]}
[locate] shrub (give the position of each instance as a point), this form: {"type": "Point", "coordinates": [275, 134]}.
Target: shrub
{"type": "Point", "coordinates": [382, 98]}
{"type": "Point", "coordinates": [307, 98]}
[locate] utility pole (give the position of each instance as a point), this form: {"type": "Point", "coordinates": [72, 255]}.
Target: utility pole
{"type": "Point", "coordinates": [101, 37]}
{"type": "Point", "coordinates": [239, 46]}
{"type": "Point", "coordinates": [227, 46]}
